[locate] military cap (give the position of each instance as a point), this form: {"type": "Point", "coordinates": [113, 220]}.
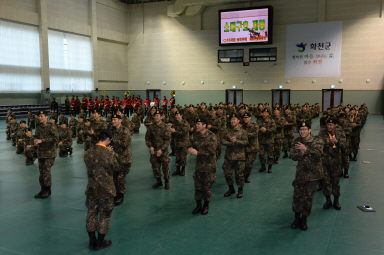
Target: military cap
{"type": "Point", "coordinates": [42, 112]}
{"type": "Point", "coordinates": [342, 115]}
{"type": "Point", "coordinates": [94, 111]}
{"type": "Point", "coordinates": [202, 120]}
{"type": "Point", "coordinates": [117, 116]}
{"type": "Point", "coordinates": [305, 124]}
{"type": "Point", "coordinates": [234, 115]}
{"type": "Point", "coordinates": [331, 120]}
{"type": "Point", "coordinates": [29, 129]}
{"type": "Point", "coordinates": [265, 110]}
{"type": "Point", "coordinates": [105, 133]}
{"type": "Point", "coordinates": [178, 112]}
{"type": "Point", "coordinates": [157, 112]}
{"type": "Point", "coordinates": [22, 121]}
{"type": "Point", "coordinates": [246, 115]}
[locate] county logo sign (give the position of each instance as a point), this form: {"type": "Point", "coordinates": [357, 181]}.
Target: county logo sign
{"type": "Point", "coordinates": [301, 47]}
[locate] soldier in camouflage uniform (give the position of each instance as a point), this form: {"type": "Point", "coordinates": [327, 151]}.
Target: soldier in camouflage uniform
{"type": "Point", "coordinates": [63, 119]}
{"type": "Point", "coordinates": [267, 128]}
{"type": "Point", "coordinates": [355, 121]}
{"type": "Point", "coordinates": [65, 140]}
{"type": "Point", "coordinates": [345, 126]}
{"type": "Point", "coordinates": [87, 136]}
{"type": "Point", "coordinates": [307, 150]}
{"type": "Point", "coordinates": [83, 114]}
{"type": "Point", "coordinates": [72, 125]}
{"type": "Point", "coordinates": [101, 162]}
{"type": "Point", "coordinates": [334, 143]}
{"type": "Point", "coordinates": [204, 148]}
{"type": "Point", "coordinates": [30, 151]}
{"type": "Point", "coordinates": [136, 121]}
{"type": "Point", "coordinates": [13, 126]}
{"type": "Point", "coordinates": [80, 126]}
{"type": "Point", "coordinates": [279, 134]}
{"type": "Point", "coordinates": [53, 115]}
{"type": "Point", "coordinates": [235, 139]}
{"type": "Point", "coordinates": [157, 138]}
{"type": "Point", "coordinates": [46, 138]}
{"type": "Point", "coordinates": [121, 142]}
{"type": "Point", "coordinates": [31, 120]}
{"type": "Point", "coordinates": [288, 130]}
{"type": "Point", "coordinates": [180, 131]}
{"type": "Point", "coordinates": [252, 148]}
{"type": "Point", "coordinates": [20, 135]}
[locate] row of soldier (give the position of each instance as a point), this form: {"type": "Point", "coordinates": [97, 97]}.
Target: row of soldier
{"type": "Point", "coordinates": [202, 131]}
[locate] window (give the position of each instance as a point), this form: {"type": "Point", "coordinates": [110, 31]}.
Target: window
{"type": "Point", "coordinates": [70, 62]}
{"type": "Point", "coordinates": [19, 57]}
{"type": "Point", "coordinates": [228, 56]}
{"type": "Point", "coordinates": [263, 55]}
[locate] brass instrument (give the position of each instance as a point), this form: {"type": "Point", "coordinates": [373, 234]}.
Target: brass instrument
{"type": "Point", "coordinates": [173, 93]}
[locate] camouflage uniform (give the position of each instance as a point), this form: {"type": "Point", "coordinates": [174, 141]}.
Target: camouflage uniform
{"type": "Point", "coordinates": [266, 140]}
{"type": "Point", "coordinates": [278, 136]}
{"type": "Point", "coordinates": [308, 173]}
{"type": "Point", "coordinates": [355, 135]}
{"type": "Point", "coordinates": [136, 121]}
{"type": "Point", "coordinates": [30, 151]}
{"type": "Point", "coordinates": [73, 126]}
{"type": "Point", "coordinates": [128, 123]}
{"type": "Point", "coordinates": [13, 127]}
{"type": "Point", "coordinates": [346, 150]}
{"type": "Point", "coordinates": [252, 148]}
{"type": "Point", "coordinates": [20, 134]}
{"type": "Point", "coordinates": [80, 127]}
{"type": "Point", "coordinates": [182, 141]}
{"type": "Point", "coordinates": [288, 132]}
{"type": "Point", "coordinates": [332, 156]}
{"type": "Point", "coordinates": [63, 119]}
{"type": "Point", "coordinates": [65, 137]}
{"type": "Point", "coordinates": [206, 165]}
{"type": "Point", "coordinates": [215, 127]}
{"type": "Point", "coordinates": [121, 142]}
{"type": "Point", "coordinates": [100, 190]}
{"type": "Point", "coordinates": [158, 136]}
{"type": "Point", "coordinates": [46, 151]}
{"type": "Point", "coordinates": [235, 155]}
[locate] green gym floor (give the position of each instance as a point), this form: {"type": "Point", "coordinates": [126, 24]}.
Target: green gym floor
{"type": "Point", "coordinates": [160, 222]}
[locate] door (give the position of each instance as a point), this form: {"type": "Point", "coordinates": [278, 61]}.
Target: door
{"type": "Point", "coordinates": [332, 98]}
{"type": "Point", "coordinates": [234, 96]}
{"type": "Point", "coordinates": [152, 92]}
{"type": "Point", "coordinates": [281, 97]}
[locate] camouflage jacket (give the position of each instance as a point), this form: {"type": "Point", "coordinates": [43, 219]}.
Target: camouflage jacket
{"type": "Point", "coordinates": [291, 122]}
{"type": "Point", "coordinates": [49, 135]}
{"type": "Point", "coordinates": [215, 123]}
{"type": "Point", "coordinates": [268, 136]}
{"type": "Point", "coordinates": [121, 142]}
{"type": "Point", "coordinates": [252, 130]}
{"type": "Point", "coordinates": [29, 140]}
{"type": "Point", "coordinates": [309, 166]}
{"type": "Point", "coordinates": [190, 117]}
{"type": "Point", "coordinates": [20, 133]}
{"type": "Point", "coordinates": [73, 123]}
{"type": "Point", "coordinates": [65, 136]}
{"type": "Point", "coordinates": [158, 136]}
{"type": "Point", "coordinates": [205, 144]}
{"type": "Point", "coordinates": [333, 152]}
{"type": "Point", "coordinates": [346, 127]}
{"type": "Point", "coordinates": [136, 121]}
{"type": "Point", "coordinates": [182, 133]}
{"type": "Point", "coordinates": [149, 121]}
{"type": "Point", "coordinates": [235, 150]}
{"type": "Point", "coordinates": [80, 126]}
{"type": "Point", "coordinates": [100, 163]}
{"type": "Point", "coordinates": [128, 123]}
{"type": "Point", "coordinates": [355, 130]}
{"type": "Point", "coordinates": [280, 123]}
{"type": "Point", "coordinates": [63, 120]}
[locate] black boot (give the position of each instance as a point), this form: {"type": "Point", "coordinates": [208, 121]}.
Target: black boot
{"type": "Point", "coordinates": [230, 191]}
{"type": "Point", "coordinates": [44, 192]}
{"type": "Point", "coordinates": [303, 223]}
{"type": "Point", "coordinates": [336, 204]}
{"type": "Point", "coordinates": [177, 171]}
{"type": "Point", "coordinates": [285, 154]}
{"type": "Point", "coordinates": [92, 240]}
{"type": "Point", "coordinates": [240, 193]}
{"type": "Point", "coordinates": [246, 179]}
{"type": "Point", "coordinates": [204, 211]}
{"type": "Point", "coordinates": [328, 202]}
{"type": "Point", "coordinates": [158, 184]}
{"type": "Point", "coordinates": [119, 199]}
{"type": "Point", "coordinates": [70, 151]}
{"type": "Point", "coordinates": [262, 169]}
{"type": "Point", "coordinates": [346, 175]}
{"type": "Point", "coordinates": [350, 156]}
{"type": "Point", "coordinates": [166, 184]}
{"type": "Point", "coordinates": [197, 208]}
{"type": "Point", "coordinates": [101, 243]}
{"type": "Point", "coordinates": [276, 161]}
{"type": "Point", "coordinates": [296, 222]}
{"type": "Point", "coordinates": [182, 170]}
{"type": "Point", "coordinates": [269, 169]}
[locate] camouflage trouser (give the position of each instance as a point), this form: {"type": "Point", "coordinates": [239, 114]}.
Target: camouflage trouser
{"type": "Point", "coordinates": [63, 149]}
{"type": "Point", "coordinates": [278, 142]}
{"type": "Point", "coordinates": [13, 137]}
{"type": "Point", "coordinates": [99, 214]}
{"type": "Point", "coordinates": [249, 159]}
{"type": "Point", "coordinates": [331, 178]}
{"type": "Point", "coordinates": [119, 178]}
{"type": "Point", "coordinates": [30, 154]}
{"type": "Point", "coordinates": [45, 165]}
{"type": "Point", "coordinates": [287, 143]}
{"type": "Point", "coordinates": [181, 156]}
{"type": "Point", "coordinates": [73, 129]}
{"type": "Point", "coordinates": [160, 162]}
{"type": "Point", "coordinates": [172, 143]}
{"type": "Point", "coordinates": [266, 148]}
{"type": "Point", "coordinates": [203, 183]}
{"type": "Point", "coordinates": [302, 196]}
{"type": "Point", "coordinates": [238, 166]}
{"type": "Point", "coordinates": [355, 142]}
{"type": "Point", "coordinates": [79, 139]}
{"type": "Point", "coordinates": [19, 147]}
{"type": "Point", "coordinates": [87, 144]}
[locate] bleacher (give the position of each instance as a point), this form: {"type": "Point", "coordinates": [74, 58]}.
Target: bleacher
{"type": "Point", "coordinates": [21, 111]}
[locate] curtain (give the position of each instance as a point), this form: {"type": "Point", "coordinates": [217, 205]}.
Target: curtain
{"type": "Point", "coordinates": [70, 62]}
{"type": "Point", "coordinates": [19, 57]}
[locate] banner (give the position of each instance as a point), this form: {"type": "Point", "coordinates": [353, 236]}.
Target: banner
{"type": "Point", "coordinates": [313, 50]}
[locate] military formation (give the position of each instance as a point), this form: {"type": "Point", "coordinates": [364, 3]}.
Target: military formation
{"type": "Point", "coordinates": [206, 131]}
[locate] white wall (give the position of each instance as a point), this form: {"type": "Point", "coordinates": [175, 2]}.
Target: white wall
{"type": "Point", "coordinates": [185, 49]}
